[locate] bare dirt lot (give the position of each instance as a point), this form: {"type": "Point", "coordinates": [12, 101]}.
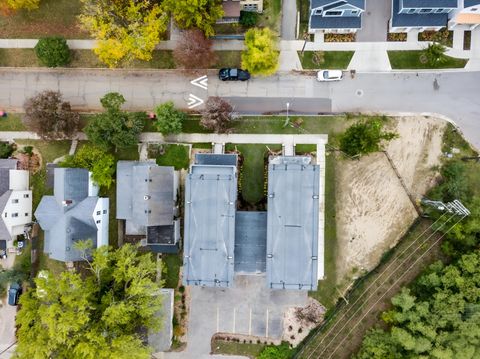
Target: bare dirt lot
{"type": "Point", "coordinates": [373, 209]}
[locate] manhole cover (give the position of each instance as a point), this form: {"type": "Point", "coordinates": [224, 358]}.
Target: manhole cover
{"type": "Point", "coordinates": [359, 93]}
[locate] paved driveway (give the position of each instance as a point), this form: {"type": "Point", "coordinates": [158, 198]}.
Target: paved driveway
{"type": "Point", "coordinates": [289, 19]}
{"type": "Point", "coordinates": [7, 317]}
{"type": "Point", "coordinates": [375, 21]}
{"type": "Point", "coordinates": [247, 308]}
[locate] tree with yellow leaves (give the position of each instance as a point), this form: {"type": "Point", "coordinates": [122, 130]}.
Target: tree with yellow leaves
{"type": "Point", "coordinates": [7, 6]}
{"type": "Point", "coordinates": [202, 14]}
{"type": "Point", "coordinates": [125, 29]}
{"type": "Point", "coordinates": [261, 55]}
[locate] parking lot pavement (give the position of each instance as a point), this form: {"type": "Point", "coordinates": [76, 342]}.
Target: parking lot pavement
{"type": "Point", "coordinates": [248, 308]}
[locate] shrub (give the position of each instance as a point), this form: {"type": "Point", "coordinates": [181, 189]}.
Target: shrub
{"type": "Point", "coordinates": [396, 36]}
{"type": "Point", "coordinates": [169, 119]}
{"type": "Point", "coordinates": [248, 18]}
{"type": "Point", "coordinates": [6, 150]}
{"type": "Point", "coordinates": [339, 37]}
{"type": "Point", "coordinates": [53, 51]}
{"type": "Point", "coordinates": [216, 115]}
{"type": "Point", "coordinates": [434, 54]}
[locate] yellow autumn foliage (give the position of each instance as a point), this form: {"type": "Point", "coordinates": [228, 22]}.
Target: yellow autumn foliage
{"type": "Point", "coordinates": [261, 55]}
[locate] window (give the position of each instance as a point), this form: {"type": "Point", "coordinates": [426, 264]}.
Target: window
{"type": "Point", "coordinates": [473, 9]}
{"type": "Point", "coordinates": [6, 214]}
{"type": "Point", "coordinates": [26, 195]}
{"type": "Point", "coordinates": [15, 200]}
{"type": "Point", "coordinates": [99, 221]}
{"type": "Point", "coordinates": [438, 11]}
{"type": "Point", "coordinates": [26, 214]}
{"type": "Point", "coordinates": [425, 11]}
{"type": "Point", "coordinates": [333, 13]}
{"type": "Point", "coordinates": [104, 211]}
{"type": "Point", "coordinates": [410, 11]}
{"type": "Point", "coordinates": [99, 213]}
{"type": "Point", "coordinates": [318, 12]}
{"type": "Point", "coordinates": [354, 12]}
{"type": "Point", "coordinates": [14, 214]}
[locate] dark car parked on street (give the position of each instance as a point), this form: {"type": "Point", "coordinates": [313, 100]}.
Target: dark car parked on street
{"type": "Point", "coordinates": [233, 74]}
{"type": "Point", "coordinates": [14, 293]}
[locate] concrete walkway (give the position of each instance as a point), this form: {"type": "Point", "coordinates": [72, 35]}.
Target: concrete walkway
{"type": "Point", "coordinates": [289, 60]}
{"type": "Point", "coordinates": [289, 19]}
{"type": "Point", "coordinates": [370, 58]}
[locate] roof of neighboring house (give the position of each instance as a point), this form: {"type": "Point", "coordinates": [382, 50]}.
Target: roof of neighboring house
{"type": "Point", "coordinates": [5, 166]}
{"type": "Point", "coordinates": [161, 340]}
{"type": "Point", "coordinates": [429, 4]}
{"type": "Point", "coordinates": [468, 18]}
{"type": "Point", "coordinates": [210, 205]}
{"type": "Point", "coordinates": [331, 4]}
{"type": "Point", "coordinates": [335, 22]}
{"type": "Point", "coordinates": [250, 241]}
{"type": "Point", "coordinates": [164, 239]}
{"type": "Point", "coordinates": [231, 8]}
{"type": "Point", "coordinates": [216, 159]}
{"type": "Point", "coordinates": [417, 20]}
{"type": "Point", "coordinates": [4, 233]}
{"type": "Point", "coordinates": [64, 224]}
{"type": "Point", "coordinates": [292, 229]}
{"type": "Point", "coordinates": [468, 3]}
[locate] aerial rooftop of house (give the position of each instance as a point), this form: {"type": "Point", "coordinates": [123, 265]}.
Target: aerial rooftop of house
{"type": "Point", "coordinates": [336, 14]}
{"type": "Point", "coordinates": [293, 223]}
{"type": "Point", "coordinates": [146, 200]}
{"type": "Point", "coordinates": [73, 213]}
{"type": "Point", "coordinates": [15, 200]}
{"type": "Point", "coordinates": [421, 13]}
{"type": "Point", "coordinates": [210, 205]}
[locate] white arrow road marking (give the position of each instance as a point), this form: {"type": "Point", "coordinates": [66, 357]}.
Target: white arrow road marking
{"type": "Point", "coordinates": [201, 82]}
{"type": "Point", "coordinates": [194, 101]}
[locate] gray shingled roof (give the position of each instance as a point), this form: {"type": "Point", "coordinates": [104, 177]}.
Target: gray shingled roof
{"type": "Point", "coordinates": [64, 225]}
{"type": "Point", "coordinates": [4, 233]}
{"type": "Point", "coordinates": [468, 3]}
{"type": "Point", "coordinates": [216, 159]}
{"type": "Point", "coordinates": [335, 22]}
{"type": "Point", "coordinates": [416, 20]}
{"type": "Point", "coordinates": [292, 230]}
{"type": "Point", "coordinates": [5, 166]}
{"type": "Point", "coordinates": [428, 4]}
{"type": "Point", "coordinates": [250, 241]}
{"type": "Point", "coordinates": [210, 204]}
{"type": "Point", "coordinates": [322, 3]}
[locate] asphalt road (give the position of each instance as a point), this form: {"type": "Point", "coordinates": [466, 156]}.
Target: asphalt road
{"type": "Point", "coordinates": [453, 94]}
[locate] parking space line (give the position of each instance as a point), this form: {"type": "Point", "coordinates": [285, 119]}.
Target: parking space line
{"type": "Point", "coordinates": [266, 326]}
{"type": "Point", "coordinates": [234, 317]}
{"type": "Point", "coordinates": [250, 323]}
{"type": "Point", "coordinates": [218, 318]}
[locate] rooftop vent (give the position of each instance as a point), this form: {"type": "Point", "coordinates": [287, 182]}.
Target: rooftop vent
{"type": "Point", "coordinates": [146, 197]}
{"type": "Point", "coordinates": [67, 202]}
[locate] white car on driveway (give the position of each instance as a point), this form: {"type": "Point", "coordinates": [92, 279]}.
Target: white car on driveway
{"type": "Point", "coordinates": [329, 75]}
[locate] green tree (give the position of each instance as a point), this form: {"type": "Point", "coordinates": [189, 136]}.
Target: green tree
{"type": "Point", "coordinates": [97, 315]}
{"type": "Point", "coordinates": [125, 29]}
{"type": "Point", "coordinates": [435, 54]}
{"type": "Point", "coordinates": [364, 137]}
{"type": "Point", "coordinates": [169, 119]}
{"type": "Point", "coordinates": [114, 127]}
{"type": "Point", "coordinates": [248, 18]}
{"type": "Point", "coordinates": [6, 149]}
{"type": "Point", "coordinates": [202, 14]}
{"type": "Point", "coordinates": [53, 51]}
{"type": "Point", "coordinates": [439, 317]}
{"type": "Point", "coordinates": [261, 55]}
{"type": "Point", "coordinates": [96, 160]}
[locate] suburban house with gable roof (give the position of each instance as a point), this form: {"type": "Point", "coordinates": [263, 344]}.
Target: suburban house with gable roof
{"type": "Point", "coordinates": [466, 16]}
{"type": "Point", "coordinates": [15, 200]}
{"type": "Point", "coordinates": [420, 15]}
{"type": "Point", "coordinates": [74, 213]}
{"type": "Point", "coordinates": [335, 16]}
{"type": "Point", "coordinates": [232, 9]}
{"type": "Point", "coordinates": [147, 201]}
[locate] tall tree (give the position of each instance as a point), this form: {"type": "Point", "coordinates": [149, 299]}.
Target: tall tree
{"type": "Point", "coordinates": [7, 6]}
{"type": "Point", "coordinates": [50, 117]}
{"type": "Point", "coordinates": [125, 29]}
{"type": "Point", "coordinates": [201, 14]}
{"type": "Point", "coordinates": [438, 318]}
{"type": "Point", "coordinates": [169, 119]}
{"type": "Point", "coordinates": [99, 315]}
{"type": "Point", "coordinates": [261, 55]}
{"type": "Point", "coordinates": [96, 160]}
{"type": "Point", "coordinates": [114, 127]}
{"type": "Point", "coordinates": [194, 50]}
{"type": "Point", "coordinates": [217, 114]}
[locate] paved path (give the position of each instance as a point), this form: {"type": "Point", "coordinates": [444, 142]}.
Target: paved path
{"type": "Point", "coordinates": [289, 19]}
{"type": "Point", "coordinates": [456, 95]}
{"type": "Point", "coordinates": [370, 58]}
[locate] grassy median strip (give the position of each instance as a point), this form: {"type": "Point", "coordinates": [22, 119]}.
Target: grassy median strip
{"type": "Point", "coordinates": [337, 60]}
{"type": "Point", "coordinates": [405, 60]}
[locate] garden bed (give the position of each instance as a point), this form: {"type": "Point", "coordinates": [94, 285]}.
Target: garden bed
{"type": "Point", "coordinates": [443, 36]}
{"type": "Point", "coordinates": [397, 36]}
{"type": "Point", "coordinates": [340, 37]}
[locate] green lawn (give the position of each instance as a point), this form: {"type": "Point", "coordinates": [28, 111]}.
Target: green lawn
{"type": "Point", "coordinates": [271, 16]}
{"type": "Point", "coordinates": [251, 350]}
{"type": "Point", "coordinates": [305, 148]}
{"type": "Point", "coordinates": [331, 59]}
{"type": "Point", "coordinates": [13, 122]}
{"type": "Point", "coordinates": [326, 292]}
{"type": "Point", "coordinates": [411, 60]}
{"type": "Point", "coordinates": [53, 17]}
{"type": "Point", "coordinates": [229, 58]}
{"type": "Point", "coordinates": [252, 173]}
{"type": "Point", "coordinates": [172, 263]}
{"type": "Point", "coordinates": [174, 155]}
